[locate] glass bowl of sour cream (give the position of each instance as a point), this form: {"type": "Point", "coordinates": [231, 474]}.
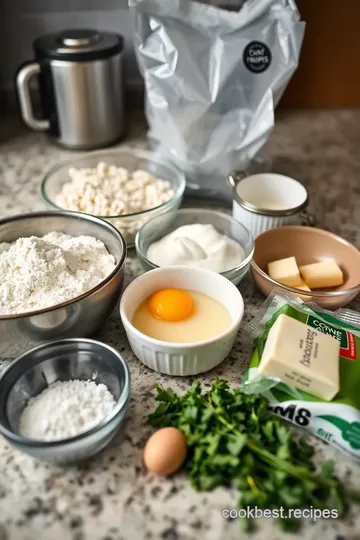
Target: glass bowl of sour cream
{"type": "Point", "coordinates": [199, 238]}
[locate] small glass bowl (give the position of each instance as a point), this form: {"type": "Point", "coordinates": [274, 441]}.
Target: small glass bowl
{"type": "Point", "coordinates": [131, 159]}
{"type": "Point", "coordinates": [63, 360]}
{"type": "Point", "coordinates": [158, 227]}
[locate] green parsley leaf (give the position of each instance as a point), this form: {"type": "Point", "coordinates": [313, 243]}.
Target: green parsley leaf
{"type": "Point", "coordinates": [236, 443]}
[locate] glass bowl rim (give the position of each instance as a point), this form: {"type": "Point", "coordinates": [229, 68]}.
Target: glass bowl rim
{"type": "Point", "coordinates": [222, 215]}
{"type": "Point", "coordinates": [134, 151]}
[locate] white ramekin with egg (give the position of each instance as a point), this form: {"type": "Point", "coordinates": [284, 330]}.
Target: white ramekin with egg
{"type": "Point", "coordinates": [185, 358]}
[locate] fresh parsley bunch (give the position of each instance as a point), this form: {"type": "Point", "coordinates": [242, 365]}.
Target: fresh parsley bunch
{"type": "Point", "coordinates": [232, 437]}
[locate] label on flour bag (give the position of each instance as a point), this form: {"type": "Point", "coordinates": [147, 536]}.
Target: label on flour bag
{"type": "Point", "coordinates": [336, 422]}
{"type": "Point", "coordinates": [257, 57]}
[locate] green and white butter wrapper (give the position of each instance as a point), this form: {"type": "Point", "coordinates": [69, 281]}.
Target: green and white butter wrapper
{"type": "Point", "coordinates": [337, 422]}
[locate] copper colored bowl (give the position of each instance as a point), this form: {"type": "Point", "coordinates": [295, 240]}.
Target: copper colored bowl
{"type": "Point", "coordinates": [308, 245]}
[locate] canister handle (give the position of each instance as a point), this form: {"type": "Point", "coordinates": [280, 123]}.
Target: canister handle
{"type": "Point", "coordinates": [235, 177]}
{"type": "Point", "coordinates": [23, 77]}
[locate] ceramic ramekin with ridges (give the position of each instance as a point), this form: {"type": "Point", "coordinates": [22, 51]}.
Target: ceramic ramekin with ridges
{"type": "Point", "coordinates": [182, 358]}
{"type": "Point", "coordinates": [267, 200]}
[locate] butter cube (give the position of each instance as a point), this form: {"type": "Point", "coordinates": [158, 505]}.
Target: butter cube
{"type": "Point", "coordinates": [285, 271]}
{"type": "Point", "coordinates": [322, 274]}
{"type": "Point", "coordinates": [303, 286]}
{"type": "Point", "coordinates": [302, 357]}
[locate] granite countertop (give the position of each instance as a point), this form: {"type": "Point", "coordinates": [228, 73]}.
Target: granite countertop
{"type": "Point", "coordinates": [112, 497]}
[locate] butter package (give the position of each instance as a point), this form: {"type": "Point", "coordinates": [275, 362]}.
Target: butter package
{"type": "Point", "coordinates": [306, 361]}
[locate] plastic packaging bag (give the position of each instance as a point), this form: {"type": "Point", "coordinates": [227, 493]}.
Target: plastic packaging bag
{"type": "Point", "coordinates": [336, 422]}
{"type": "Point", "coordinates": [213, 78]}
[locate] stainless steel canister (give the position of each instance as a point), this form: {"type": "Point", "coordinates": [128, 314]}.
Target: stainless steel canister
{"type": "Point", "coordinates": [81, 86]}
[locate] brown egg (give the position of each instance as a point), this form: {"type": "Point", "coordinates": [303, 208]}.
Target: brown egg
{"type": "Point", "coordinates": [165, 451]}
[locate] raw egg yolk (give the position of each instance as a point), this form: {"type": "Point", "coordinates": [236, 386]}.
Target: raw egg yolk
{"type": "Point", "coordinates": [171, 305]}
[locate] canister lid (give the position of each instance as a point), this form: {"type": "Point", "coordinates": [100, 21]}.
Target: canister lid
{"type": "Point", "coordinates": [78, 44]}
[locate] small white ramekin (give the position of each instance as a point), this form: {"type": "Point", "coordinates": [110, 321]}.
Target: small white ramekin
{"type": "Point", "coordinates": [181, 358]}
{"type": "Point", "coordinates": [288, 198]}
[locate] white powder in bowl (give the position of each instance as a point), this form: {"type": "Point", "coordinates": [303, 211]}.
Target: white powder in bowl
{"type": "Point", "coordinates": [65, 409]}
{"type": "Point", "coordinates": [37, 273]}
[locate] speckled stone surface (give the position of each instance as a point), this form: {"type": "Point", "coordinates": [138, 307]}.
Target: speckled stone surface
{"type": "Point", "coordinates": [112, 497]}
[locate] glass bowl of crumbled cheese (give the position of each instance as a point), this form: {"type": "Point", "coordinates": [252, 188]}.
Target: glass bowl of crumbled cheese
{"type": "Point", "coordinates": [124, 186]}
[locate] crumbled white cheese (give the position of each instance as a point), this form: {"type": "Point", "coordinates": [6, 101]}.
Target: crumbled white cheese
{"type": "Point", "coordinates": [108, 190]}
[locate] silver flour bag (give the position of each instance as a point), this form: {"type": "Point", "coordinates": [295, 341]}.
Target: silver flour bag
{"type": "Point", "coordinates": [213, 78]}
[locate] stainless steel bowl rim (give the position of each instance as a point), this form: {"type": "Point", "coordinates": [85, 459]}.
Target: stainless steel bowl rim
{"type": "Point", "coordinates": [142, 153]}
{"type": "Point", "coordinates": [78, 215]}
{"type": "Point", "coordinates": [119, 406]}
{"type": "Point", "coordinates": [227, 273]}
{"type": "Point", "coordinates": [234, 180]}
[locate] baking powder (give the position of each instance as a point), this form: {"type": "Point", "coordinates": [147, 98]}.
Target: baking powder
{"type": "Point", "coordinates": [65, 409]}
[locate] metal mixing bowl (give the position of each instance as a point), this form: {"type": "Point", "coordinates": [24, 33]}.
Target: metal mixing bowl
{"type": "Point", "coordinates": [79, 317]}
{"type": "Point", "coordinates": [63, 360]}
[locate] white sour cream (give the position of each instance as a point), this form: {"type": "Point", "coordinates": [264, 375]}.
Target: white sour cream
{"type": "Point", "coordinates": [197, 245]}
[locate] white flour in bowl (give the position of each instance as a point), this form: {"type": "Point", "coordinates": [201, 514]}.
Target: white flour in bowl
{"type": "Point", "coordinates": [36, 273]}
